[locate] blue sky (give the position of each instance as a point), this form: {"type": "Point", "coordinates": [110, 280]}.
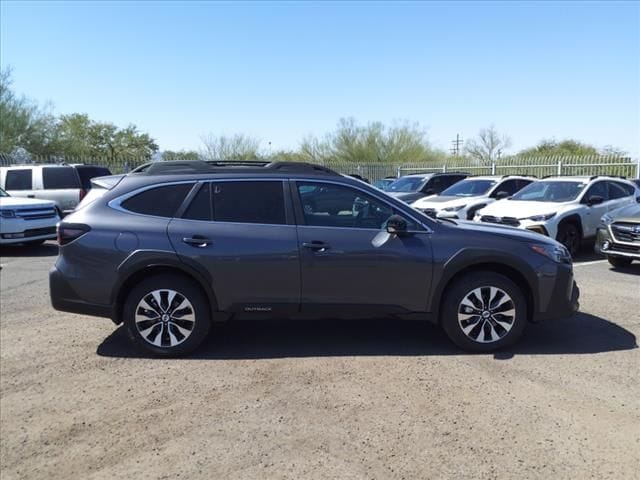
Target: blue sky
{"type": "Point", "coordinates": [280, 71]}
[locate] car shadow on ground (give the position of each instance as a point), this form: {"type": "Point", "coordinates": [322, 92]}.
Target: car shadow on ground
{"type": "Point", "coordinates": [48, 249]}
{"type": "Point", "coordinates": [263, 339]}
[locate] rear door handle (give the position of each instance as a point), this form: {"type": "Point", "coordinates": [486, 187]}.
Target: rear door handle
{"type": "Point", "coordinates": [317, 246]}
{"type": "Point", "coordinates": [199, 241]}
{"type": "Point", "coordinates": [31, 196]}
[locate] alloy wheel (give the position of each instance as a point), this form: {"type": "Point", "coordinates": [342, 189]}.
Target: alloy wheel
{"type": "Point", "coordinates": [486, 314]}
{"type": "Point", "coordinates": [165, 318]}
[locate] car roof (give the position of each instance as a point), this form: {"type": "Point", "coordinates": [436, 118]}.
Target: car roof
{"type": "Point", "coordinates": [582, 178]}
{"type": "Point", "coordinates": [501, 177]}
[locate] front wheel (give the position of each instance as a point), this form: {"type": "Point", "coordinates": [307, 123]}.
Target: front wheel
{"type": "Point", "coordinates": [167, 315]}
{"type": "Point", "coordinates": [619, 262]}
{"type": "Point", "coordinates": [483, 312]}
{"type": "Point", "coordinates": [569, 236]}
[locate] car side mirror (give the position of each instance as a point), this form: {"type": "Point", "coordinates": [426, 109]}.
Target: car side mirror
{"type": "Point", "coordinates": [396, 225]}
{"type": "Point", "coordinates": [430, 191]}
{"type": "Point", "coordinates": [502, 194]}
{"type": "Point", "coordinates": [594, 200]}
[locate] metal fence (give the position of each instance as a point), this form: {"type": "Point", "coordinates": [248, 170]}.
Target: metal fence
{"type": "Point", "coordinates": [538, 166]}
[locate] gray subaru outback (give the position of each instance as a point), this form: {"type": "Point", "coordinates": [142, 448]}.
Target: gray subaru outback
{"type": "Point", "coordinates": [176, 246]}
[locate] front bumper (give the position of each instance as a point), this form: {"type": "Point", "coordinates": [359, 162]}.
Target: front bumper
{"type": "Point", "coordinates": [559, 294]}
{"type": "Point", "coordinates": [606, 245]}
{"type": "Point", "coordinates": [65, 299]}
{"type": "Point", "coordinates": [29, 235]}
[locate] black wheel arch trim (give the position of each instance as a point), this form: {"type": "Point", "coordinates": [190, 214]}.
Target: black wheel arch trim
{"type": "Point", "coordinates": [142, 260]}
{"type": "Point", "coordinates": [475, 259]}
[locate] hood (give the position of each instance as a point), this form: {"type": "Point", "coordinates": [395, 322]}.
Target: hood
{"type": "Point", "coordinates": [629, 213]}
{"type": "Point", "coordinates": [440, 202]}
{"type": "Point", "coordinates": [17, 202]}
{"type": "Point", "coordinates": [504, 231]}
{"type": "Point", "coordinates": [520, 209]}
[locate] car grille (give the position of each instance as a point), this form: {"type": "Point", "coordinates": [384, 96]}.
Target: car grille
{"type": "Point", "coordinates": [430, 212]}
{"type": "Point", "coordinates": [626, 232]}
{"type": "Point", "coordinates": [36, 213]}
{"type": "Point", "coordinates": [511, 221]}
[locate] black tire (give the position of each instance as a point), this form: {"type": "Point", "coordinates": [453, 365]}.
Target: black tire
{"type": "Point", "coordinates": [452, 308]}
{"type": "Point", "coordinates": [569, 235]}
{"type": "Point", "coordinates": [619, 262]}
{"type": "Point", "coordinates": [166, 331]}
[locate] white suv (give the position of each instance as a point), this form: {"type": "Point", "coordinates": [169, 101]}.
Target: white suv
{"type": "Point", "coordinates": [565, 208]}
{"type": "Point", "coordinates": [58, 183]}
{"type": "Point", "coordinates": [463, 199]}
{"type": "Point", "coordinates": [25, 220]}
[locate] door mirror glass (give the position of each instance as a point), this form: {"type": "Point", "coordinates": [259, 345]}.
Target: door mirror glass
{"type": "Point", "coordinates": [396, 225]}
{"type": "Point", "coordinates": [594, 200]}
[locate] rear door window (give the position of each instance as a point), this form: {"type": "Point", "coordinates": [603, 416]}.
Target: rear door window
{"type": "Point", "coordinates": [161, 201]}
{"type": "Point", "coordinates": [19, 180]}
{"type": "Point", "coordinates": [249, 202]}
{"type": "Point", "coordinates": [200, 207]}
{"type": "Point", "coordinates": [58, 178]}
{"type": "Point", "coordinates": [619, 190]}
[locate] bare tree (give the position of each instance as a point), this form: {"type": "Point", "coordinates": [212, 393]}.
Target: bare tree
{"type": "Point", "coordinates": [235, 147]}
{"type": "Point", "coordinates": [488, 146]}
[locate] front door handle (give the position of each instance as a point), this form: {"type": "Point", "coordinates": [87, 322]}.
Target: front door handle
{"type": "Point", "coordinates": [31, 196]}
{"type": "Point", "coordinates": [317, 246]}
{"type": "Point", "coordinates": [199, 241]}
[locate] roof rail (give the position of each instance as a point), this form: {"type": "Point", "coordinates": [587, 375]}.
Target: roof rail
{"type": "Point", "coordinates": [175, 167]}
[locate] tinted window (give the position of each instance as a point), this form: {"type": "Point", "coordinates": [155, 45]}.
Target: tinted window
{"type": "Point", "coordinates": [598, 189]}
{"type": "Point", "coordinates": [406, 184]}
{"type": "Point", "coordinates": [509, 186]}
{"type": "Point", "coordinates": [200, 207]}
{"type": "Point", "coordinates": [54, 178]}
{"type": "Point", "coordinates": [18, 180]}
{"type": "Point", "coordinates": [159, 201]}
{"type": "Point", "coordinates": [619, 190]}
{"type": "Point", "coordinates": [329, 205]}
{"type": "Point", "coordinates": [249, 202]}
{"type": "Point", "coordinates": [87, 173]}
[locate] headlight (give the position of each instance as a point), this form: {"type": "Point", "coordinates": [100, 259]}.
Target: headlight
{"type": "Point", "coordinates": [7, 213]}
{"type": "Point", "coordinates": [540, 218]}
{"type": "Point", "coordinates": [557, 253]}
{"type": "Point", "coordinates": [454, 209]}
{"type": "Point", "coordinates": [606, 219]}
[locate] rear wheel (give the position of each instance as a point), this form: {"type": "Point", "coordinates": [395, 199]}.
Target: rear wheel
{"type": "Point", "coordinates": [167, 315]}
{"type": "Point", "coordinates": [569, 235]}
{"type": "Point", "coordinates": [483, 312]}
{"type": "Point", "coordinates": [619, 262]}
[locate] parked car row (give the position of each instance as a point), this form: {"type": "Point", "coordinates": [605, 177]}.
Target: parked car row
{"type": "Point", "coordinates": [568, 209]}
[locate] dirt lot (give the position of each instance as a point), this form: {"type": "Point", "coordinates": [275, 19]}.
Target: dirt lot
{"type": "Point", "coordinates": [374, 400]}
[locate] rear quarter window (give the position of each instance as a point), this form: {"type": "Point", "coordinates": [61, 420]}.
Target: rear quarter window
{"type": "Point", "coordinates": [158, 201]}
{"type": "Point", "coordinates": [19, 180]}
{"type": "Point", "coordinates": [87, 173]}
{"type": "Point", "coordinates": [59, 178]}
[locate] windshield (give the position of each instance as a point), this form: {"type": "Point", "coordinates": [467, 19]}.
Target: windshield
{"type": "Point", "coordinates": [468, 188]}
{"type": "Point", "coordinates": [406, 184]}
{"type": "Point", "coordinates": [3, 193]}
{"type": "Point", "coordinates": [549, 192]}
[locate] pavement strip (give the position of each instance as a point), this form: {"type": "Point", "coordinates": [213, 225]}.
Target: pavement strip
{"type": "Point", "coordinates": [589, 263]}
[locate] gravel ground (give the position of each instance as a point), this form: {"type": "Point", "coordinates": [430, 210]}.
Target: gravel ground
{"type": "Point", "coordinates": [285, 399]}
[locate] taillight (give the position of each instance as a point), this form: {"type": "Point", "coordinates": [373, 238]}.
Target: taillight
{"type": "Point", "coordinates": [68, 232]}
{"type": "Point", "coordinates": [83, 193]}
